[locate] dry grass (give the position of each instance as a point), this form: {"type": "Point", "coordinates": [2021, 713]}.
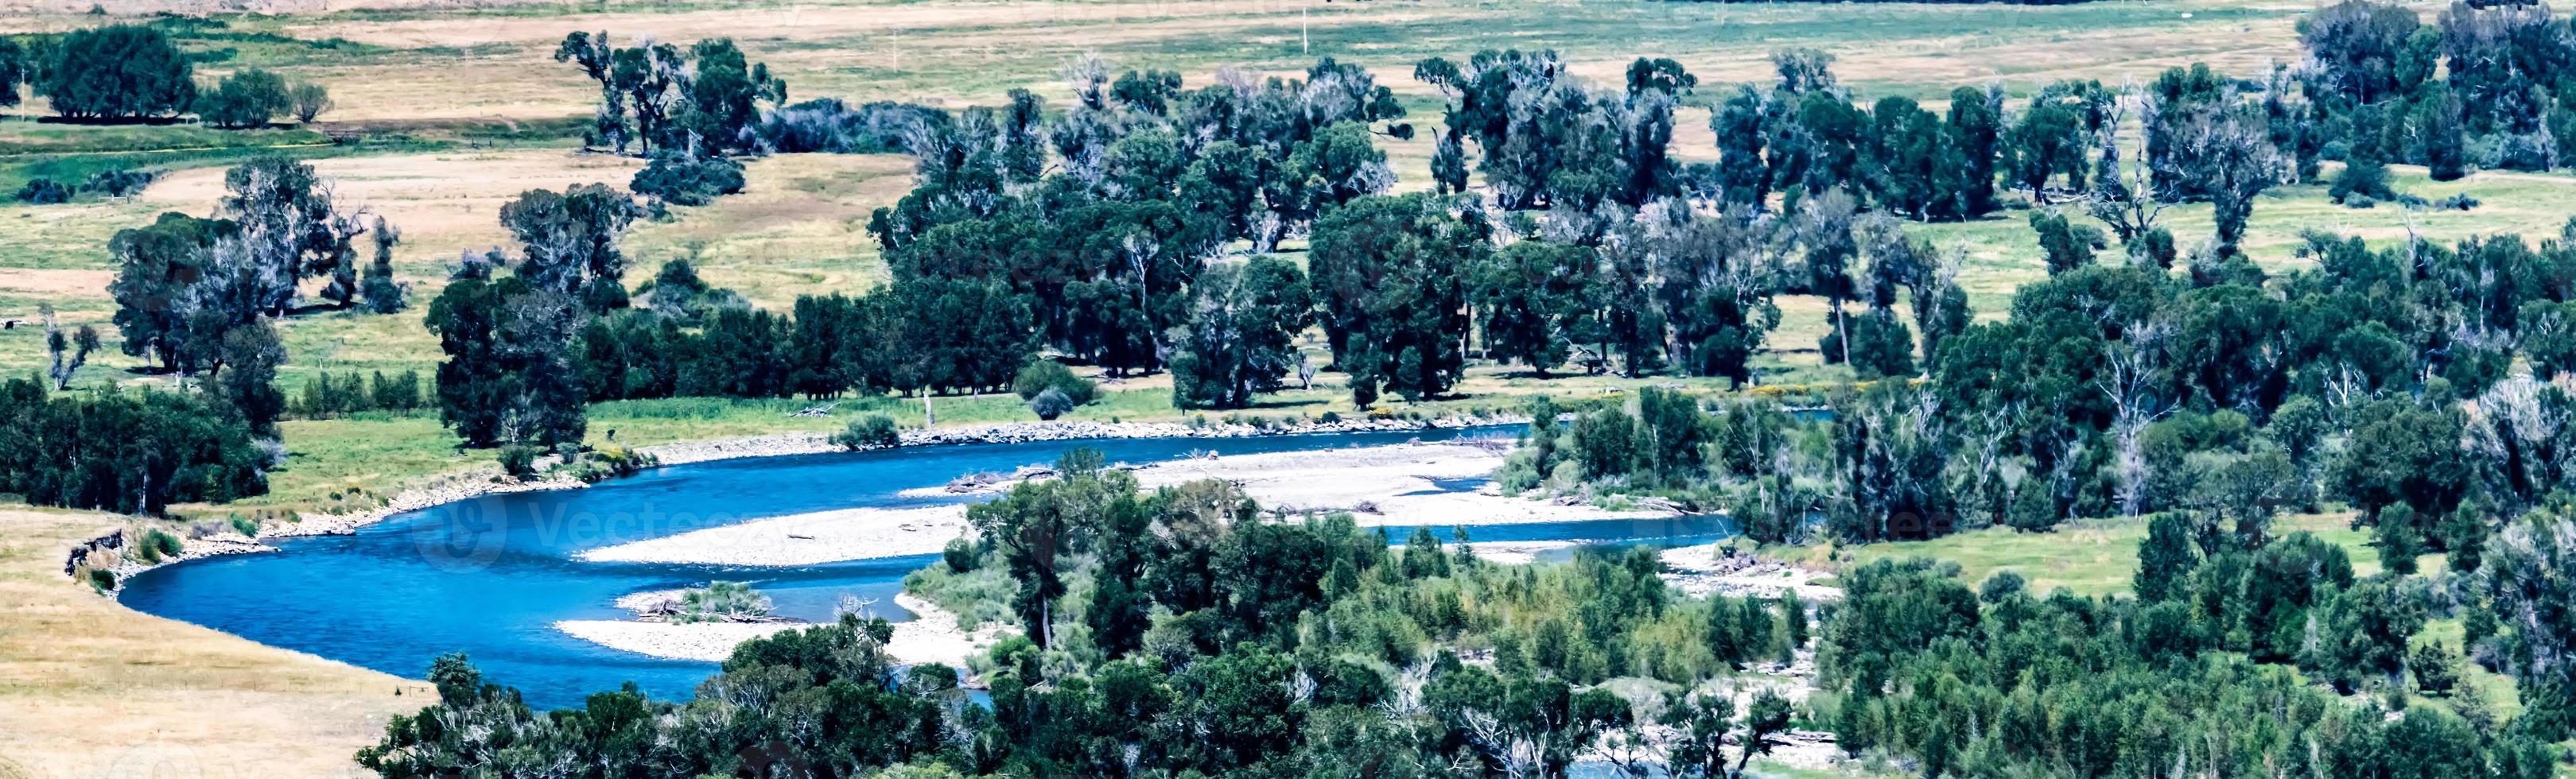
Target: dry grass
{"type": "Point", "coordinates": [89, 688]}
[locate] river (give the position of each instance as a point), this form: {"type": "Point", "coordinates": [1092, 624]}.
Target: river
{"type": "Point", "coordinates": [490, 576]}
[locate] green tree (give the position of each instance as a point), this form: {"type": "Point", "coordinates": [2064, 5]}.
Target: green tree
{"type": "Point", "coordinates": [244, 99]}
{"type": "Point", "coordinates": [2165, 559]}
{"type": "Point", "coordinates": [1532, 298]}
{"type": "Point", "coordinates": [116, 73]}
{"type": "Point", "coordinates": [1389, 272]}
{"type": "Point", "coordinates": [1242, 334]}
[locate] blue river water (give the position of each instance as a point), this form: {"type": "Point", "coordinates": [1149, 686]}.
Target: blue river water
{"type": "Point", "coordinates": [490, 576]}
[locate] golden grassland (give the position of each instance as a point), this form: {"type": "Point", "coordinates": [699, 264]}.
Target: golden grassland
{"type": "Point", "coordinates": [89, 688]}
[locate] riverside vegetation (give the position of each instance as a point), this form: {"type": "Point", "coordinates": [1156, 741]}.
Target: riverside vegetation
{"type": "Point", "coordinates": [1245, 237]}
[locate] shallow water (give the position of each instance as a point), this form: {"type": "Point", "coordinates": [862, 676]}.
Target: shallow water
{"type": "Point", "coordinates": [490, 576]}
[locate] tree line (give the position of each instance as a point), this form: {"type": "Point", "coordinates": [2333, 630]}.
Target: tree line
{"type": "Point", "coordinates": [1187, 631]}
{"type": "Point", "coordinates": [1179, 631]}
{"type": "Point", "coordinates": [136, 73]}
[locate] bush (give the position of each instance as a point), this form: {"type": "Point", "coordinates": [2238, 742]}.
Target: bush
{"type": "Point", "coordinates": [119, 72]}
{"type": "Point", "coordinates": [1050, 403]}
{"type": "Point", "coordinates": [610, 462]}
{"type": "Point", "coordinates": [244, 100]}
{"type": "Point", "coordinates": [960, 556]}
{"type": "Point", "coordinates": [519, 461]}
{"type": "Point", "coordinates": [308, 100]}
{"type": "Point", "coordinates": [246, 526]}
{"type": "Point", "coordinates": [1042, 375]}
{"type": "Point", "coordinates": [2459, 202]}
{"type": "Point", "coordinates": [119, 182]}
{"type": "Point", "coordinates": [678, 179]}
{"type": "Point", "coordinates": [43, 191]}
{"type": "Point", "coordinates": [156, 545]}
{"type": "Point", "coordinates": [873, 431]}
{"type": "Point", "coordinates": [722, 602]}
{"type": "Point", "coordinates": [103, 579]}
{"type": "Point", "coordinates": [829, 125]}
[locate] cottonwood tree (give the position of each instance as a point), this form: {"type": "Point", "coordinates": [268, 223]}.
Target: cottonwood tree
{"type": "Point", "coordinates": [1241, 335]}
{"type": "Point", "coordinates": [116, 73]}
{"type": "Point", "coordinates": [183, 281]}
{"type": "Point", "coordinates": [569, 241]}
{"type": "Point", "coordinates": [1534, 300]}
{"type": "Point", "coordinates": [1715, 275]}
{"type": "Point", "coordinates": [1388, 272]}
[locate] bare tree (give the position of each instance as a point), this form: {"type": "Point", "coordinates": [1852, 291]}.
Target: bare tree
{"type": "Point", "coordinates": [77, 347]}
{"type": "Point", "coordinates": [2133, 374]}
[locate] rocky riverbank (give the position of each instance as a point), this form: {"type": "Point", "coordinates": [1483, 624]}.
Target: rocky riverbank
{"type": "Point", "coordinates": [1069, 430]}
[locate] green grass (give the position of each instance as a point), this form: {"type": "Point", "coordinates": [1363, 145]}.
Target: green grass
{"type": "Point", "coordinates": [2088, 557]}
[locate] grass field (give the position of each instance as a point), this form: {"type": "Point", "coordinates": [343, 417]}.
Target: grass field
{"type": "Point", "coordinates": [88, 688]}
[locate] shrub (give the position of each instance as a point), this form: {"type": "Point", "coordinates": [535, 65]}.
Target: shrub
{"type": "Point", "coordinates": [43, 191]}
{"type": "Point", "coordinates": [103, 579]}
{"type": "Point", "coordinates": [156, 545]}
{"type": "Point", "coordinates": [610, 462]}
{"type": "Point", "coordinates": [960, 556]}
{"type": "Point", "coordinates": [869, 432]}
{"type": "Point", "coordinates": [829, 125]}
{"type": "Point", "coordinates": [2459, 202]}
{"type": "Point", "coordinates": [308, 100]}
{"type": "Point", "coordinates": [119, 182]}
{"type": "Point", "coordinates": [682, 180]}
{"type": "Point", "coordinates": [519, 461]}
{"type": "Point", "coordinates": [118, 72]}
{"type": "Point", "coordinates": [244, 100]}
{"type": "Point", "coordinates": [246, 526]}
{"type": "Point", "coordinates": [1041, 375]}
{"type": "Point", "coordinates": [1050, 403]}
{"type": "Point", "coordinates": [722, 602]}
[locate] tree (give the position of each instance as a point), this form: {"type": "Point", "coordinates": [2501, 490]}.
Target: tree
{"type": "Point", "coordinates": [308, 100]}
{"type": "Point", "coordinates": [1768, 714]}
{"type": "Point", "coordinates": [1700, 723]}
{"type": "Point", "coordinates": [1389, 272]}
{"type": "Point", "coordinates": [1532, 298]}
{"type": "Point", "coordinates": [1242, 332]}
{"type": "Point", "coordinates": [65, 354]}
{"type": "Point", "coordinates": [510, 376]}
{"type": "Point", "coordinates": [2358, 45]}
{"type": "Point", "coordinates": [158, 266]}
{"type": "Point", "coordinates": [569, 241]}
{"type": "Point", "coordinates": [2067, 244]}
{"type": "Point", "coordinates": [680, 179]}
{"type": "Point", "coordinates": [384, 294]}
{"type": "Point", "coordinates": [245, 376]}
{"type": "Point", "coordinates": [117, 73]}
{"type": "Point", "coordinates": [2363, 174]}
{"type": "Point", "coordinates": [2362, 634]}
{"type": "Point", "coordinates": [2530, 572]}
{"type": "Point", "coordinates": [243, 100]}
{"type": "Point", "coordinates": [15, 68]}
{"type": "Point", "coordinates": [2165, 559]}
